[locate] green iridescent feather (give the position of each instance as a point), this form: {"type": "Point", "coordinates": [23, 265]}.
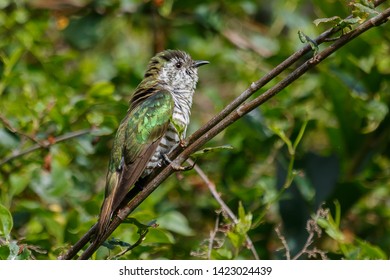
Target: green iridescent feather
{"type": "Point", "coordinates": [135, 142]}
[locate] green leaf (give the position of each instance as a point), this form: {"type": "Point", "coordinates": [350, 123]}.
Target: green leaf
{"type": "Point", "coordinates": [350, 21]}
{"type": "Point", "coordinates": [13, 250]}
{"type": "Point", "coordinates": [370, 251]}
{"type": "Point", "coordinates": [176, 222]}
{"type": "Point", "coordinates": [19, 181]}
{"type": "Point", "coordinates": [6, 222]}
{"type": "Point", "coordinates": [238, 235]}
{"type": "Point", "coordinates": [12, 60]}
{"type": "Point", "coordinates": [222, 254]}
{"type": "Point", "coordinates": [95, 118]}
{"type": "Point", "coordinates": [21, 16]}
{"type": "Point", "coordinates": [335, 20]}
{"type": "Point", "coordinates": [7, 140]}
{"type": "Point", "coordinates": [306, 39]}
{"type": "Point", "coordinates": [157, 235]}
{"type": "Point", "coordinates": [236, 239]}
{"type": "Point", "coordinates": [331, 230]}
{"type": "Point", "coordinates": [362, 250]}
{"type": "Point", "coordinates": [25, 254]}
{"type": "Point", "coordinates": [300, 135]}
{"type": "Point", "coordinates": [368, 3]}
{"type": "Point", "coordinates": [101, 89]}
{"type": "Point", "coordinates": [54, 227]}
{"type": "Point", "coordinates": [376, 111]}
{"type": "Point", "coordinates": [61, 181]}
{"type": "Point", "coordinates": [364, 9]}
{"type": "Point", "coordinates": [212, 149]}
{"type": "Point", "coordinates": [244, 220]}
{"type": "Point", "coordinates": [165, 8]}
{"type": "Point", "coordinates": [9, 64]}
{"type": "Point", "coordinates": [4, 252]}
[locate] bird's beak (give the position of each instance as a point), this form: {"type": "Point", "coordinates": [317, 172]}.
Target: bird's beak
{"type": "Point", "coordinates": [198, 63]}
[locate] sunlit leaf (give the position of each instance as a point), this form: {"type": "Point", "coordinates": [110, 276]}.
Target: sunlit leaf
{"type": "Point", "coordinates": [244, 220]}
{"type": "Point", "coordinates": [334, 20]}
{"type": "Point", "coordinates": [364, 9]}
{"type": "Point", "coordinates": [350, 21]}
{"type": "Point", "coordinates": [331, 229]}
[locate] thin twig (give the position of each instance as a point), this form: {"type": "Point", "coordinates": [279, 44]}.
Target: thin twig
{"type": "Point", "coordinates": [313, 229]}
{"type": "Point", "coordinates": [213, 190]}
{"type": "Point", "coordinates": [220, 122]}
{"type": "Point", "coordinates": [8, 124]}
{"type": "Point", "coordinates": [47, 144]}
{"type": "Point", "coordinates": [131, 247]}
{"type": "Point", "coordinates": [225, 208]}
{"type": "Point", "coordinates": [309, 241]}
{"type": "Point", "coordinates": [73, 250]}
{"type": "Point", "coordinates": [213, 234]}
{"type": "Point", "coordinates": [284, 242]}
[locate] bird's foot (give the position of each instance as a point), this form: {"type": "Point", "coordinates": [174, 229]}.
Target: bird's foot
{"type": "Point", "coordinates": [183, 143]}
{"type": "Point", "coordinates": [175, 166]}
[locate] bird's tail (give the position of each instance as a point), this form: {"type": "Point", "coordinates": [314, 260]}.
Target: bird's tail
{"type": "Point", "coordinates": [104, 218]}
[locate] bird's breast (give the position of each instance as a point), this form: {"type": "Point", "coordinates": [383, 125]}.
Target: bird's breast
{"type": "Point", "coordinates": [167, 143]}
{"type": "Point", "coordinates": [181, 118]}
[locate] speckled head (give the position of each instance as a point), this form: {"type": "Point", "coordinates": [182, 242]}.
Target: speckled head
{"type": "Point", "coordinates": [176, 69]}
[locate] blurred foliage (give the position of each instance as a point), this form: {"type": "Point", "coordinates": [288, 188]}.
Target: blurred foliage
{"type": "Point", "coordinates": [71, 65]}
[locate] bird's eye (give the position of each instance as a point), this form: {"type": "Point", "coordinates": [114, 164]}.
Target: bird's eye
{"type": "Point", "coordinates": [178, 65]}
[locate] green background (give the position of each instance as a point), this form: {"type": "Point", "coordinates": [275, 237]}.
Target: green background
{"type": "Point", "coordinates": [68, 66]}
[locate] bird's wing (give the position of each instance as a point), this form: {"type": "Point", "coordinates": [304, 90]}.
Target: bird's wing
{"type": "Point", "coordinates": [136, 141]}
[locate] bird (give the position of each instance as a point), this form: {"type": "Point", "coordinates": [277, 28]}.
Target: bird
{"type": "Point", "coordinates": [155, 123]}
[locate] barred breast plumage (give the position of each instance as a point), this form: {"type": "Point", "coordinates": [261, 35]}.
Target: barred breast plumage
{"type": "Point", "coordinates": [171, 138]}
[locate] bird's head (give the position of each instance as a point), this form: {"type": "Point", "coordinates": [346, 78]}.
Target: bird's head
{"type": "Point", "coordinates": [175, 69]}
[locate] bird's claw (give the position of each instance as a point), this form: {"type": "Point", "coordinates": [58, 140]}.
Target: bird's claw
{"type": "Point", "coordinates": [183, 143]}
{"type": "Point", "coordinates": [166, 159]}
{"type": "Point", "coordinates": [178, 167]}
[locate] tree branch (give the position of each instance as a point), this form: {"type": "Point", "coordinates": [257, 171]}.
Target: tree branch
{"type": "Point", "coordinates": [234, 111]}
{"type": "Point", "coordinates": [46, 144]}
{"type": "Point", "coordinates": [9, 126]}
{"type": "Point", "coordinates": [313, 230]}
{"type": "Point", "coordinates": [213, 234]}
{"type": "Point", "coordinates": [284, 242]}
{"type": "Point", "coordinates": [225, 208]}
